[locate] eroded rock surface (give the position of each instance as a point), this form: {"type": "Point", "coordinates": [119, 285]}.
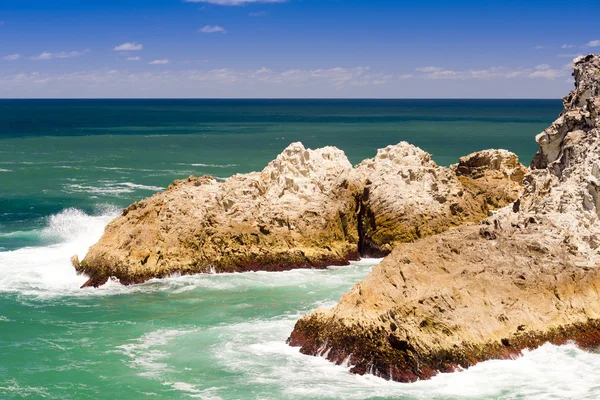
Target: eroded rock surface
{"type": "Point", "coordinates": [406, 196]}
{"type": "Point", "coordinates": [298, 212]}
{"type": "Point", "coordinates": [526, 275]}
{"type": "Point", "coordinates": [306, 209]}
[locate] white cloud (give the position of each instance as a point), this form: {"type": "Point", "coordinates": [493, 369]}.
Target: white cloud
{"type": "Point", "coordinates": [62, 54]}
{"type": "Point", "coordinates": [44, 56]}
{"type": "Point", "coordinates": [538, 47]}
{"type": "Point", "coordinates": [234, 2]}
{"type": "Point", "coordinates": [593, 43]}
{"type": "Point", "coordinates": [258, 14]}
{"type": "Point", "coordinates": [437, 72]}
{"type": "Point", "coordinates": [129, 46]}
{"type": "Point", "coordinates": [12, 57]}
{"type": "Point", "coordinates": [335, 78]}
{"type": "Point", "coordinates": [69, 54]}
{"type": "Point", "coordinates": [546, 73]}
{"type": "Point", "coordinates": [358, 81]}
{"type": "Point", "coordinates": [539, 71]}
{"type": "Point", "coordinates": [570, 55]}
{"type": "Point", "coordinates": [566, 46]}
{"type": "Point", "coordinates": [429, 69]}
{"type": "Point", "coordinates": [159, 62]}
{"type": "Point", "coordinates": [212, 29]}
{"type": "Point", "coordinates": [133, 58]}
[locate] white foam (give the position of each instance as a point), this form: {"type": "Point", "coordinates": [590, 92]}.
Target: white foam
{"type": "Point", "coordinates": [144, 354]}
{"type": "Point", "coordinates": [47, 270]}
{"type": "Point", "coordinates": [13, 388]}
{"type": "Point", "coordinates": [193, 391]}
{"type": "Point", "coordinates": [257, 350]}
{"type": "Point", "coordinates": [109, 188]}
{"type": "Point", "coordinates": [215, 165]}
{"type": "Point", "coordinates": [5, 170]}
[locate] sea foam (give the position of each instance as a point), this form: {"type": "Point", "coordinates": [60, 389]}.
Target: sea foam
{"type": "Point", "coordinates": [47, 270]}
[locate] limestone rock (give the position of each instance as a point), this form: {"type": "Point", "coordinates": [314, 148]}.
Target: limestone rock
{"type": "Point", "coordinates": [407, 196]}
{"type": "Point", "coordinates": [298, 212]}
{"type": "Point", "coordinates": [527, 275]}
{"type": "Point", "coordinates": [306, 209]}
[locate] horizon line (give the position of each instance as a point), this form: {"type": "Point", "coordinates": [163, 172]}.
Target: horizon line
{"type": "Point", "coordinates": [280, 98]}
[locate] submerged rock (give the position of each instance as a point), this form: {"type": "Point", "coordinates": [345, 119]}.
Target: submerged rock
{"type": "Point", "coordinates": [527, 275]}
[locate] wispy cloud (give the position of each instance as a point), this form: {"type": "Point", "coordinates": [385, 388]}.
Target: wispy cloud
{"type": "Point", "coordinates": [44, 56]}
{"type": "Point", "coordinates": [61, 54]}
{"type": "Point", "coordinates": [593, 43]}
{"type": "Point", "coordinates": [212, 29]}
{"type": "Point", "coordinates": [538, 47]}
{"type": "Point", "coordinates": [234, 2]}
{"type": "Point", "coordinates": [159, 62]}
{"type": "Point", "coordinates": [133, 58]}
{"type": "Point", "coordinates": [129, 46]}
{"type": "Point", "coordinates": [429, 69]}
{"type": "Point", "coordinates": [544, 71]}
{"type": "Point", "coordinates": [570, 55]}
{"type": "Point", "coordinates": [258, 14]}
{"type": "Point", "coordinates": [335, 78]}
{"type": "Point", "coordinates": [567, 46]}
{"type": "Point", "coordinates": [11, 57]}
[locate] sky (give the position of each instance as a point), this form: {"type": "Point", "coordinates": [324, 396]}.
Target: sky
{"type": "Point", "coordinates": [292, 48]}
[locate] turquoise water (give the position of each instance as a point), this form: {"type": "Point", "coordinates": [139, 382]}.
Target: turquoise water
{"type": "Point", "coordinates": [68, 167]}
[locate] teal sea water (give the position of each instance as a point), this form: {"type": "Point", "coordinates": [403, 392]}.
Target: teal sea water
{"type": "Point", "coordinates": [67, 167]}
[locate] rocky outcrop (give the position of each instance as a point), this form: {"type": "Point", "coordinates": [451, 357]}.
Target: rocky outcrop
{"type": "Point", "coordinates": [528, 274]}
{"type": "Point", "coordinates": [306, 209]}
{"type": "Point", "coordinates": [406, 196]}
{"type": "Point", "coordinates": [300, 211]}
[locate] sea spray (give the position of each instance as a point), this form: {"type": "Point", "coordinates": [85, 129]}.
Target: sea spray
{"type": "Point", "coordinates": [46, 270]}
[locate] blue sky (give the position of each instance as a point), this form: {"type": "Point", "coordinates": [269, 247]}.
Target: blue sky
{"type": "Point", "coordinates": [293, 48]}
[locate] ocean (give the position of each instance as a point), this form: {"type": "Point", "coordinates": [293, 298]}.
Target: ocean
{"type": "Point", "coordinates": [68, 166]}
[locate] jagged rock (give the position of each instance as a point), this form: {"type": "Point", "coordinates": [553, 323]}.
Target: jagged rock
{"type": "Point", "coordinates": [307, 208]}
{"type": "Point", "coordinates": [527, 275]}
{"type": "Point", "coordinates": [298, 212]}
{"type": "Point", "coordinates": [407, 196]}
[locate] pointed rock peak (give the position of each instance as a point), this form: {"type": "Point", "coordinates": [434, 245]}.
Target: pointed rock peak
{"type": "Point", "coordinates": [297, 160]}
{"type": "Point", "coordinates": [586, 70]}
{"type": "Point", "coordinates": [293, 148]}
{"type": "Point", "coordinates": [402, 154]}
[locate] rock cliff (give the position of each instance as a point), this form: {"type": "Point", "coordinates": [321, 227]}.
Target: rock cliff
{"type": "Point", "coordinates": [526, 275]}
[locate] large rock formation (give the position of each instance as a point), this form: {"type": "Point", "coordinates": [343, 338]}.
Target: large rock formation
{"type": "Point", "coordinates": [525, 276]}
{"type": "Point", "coordinates": [298, 212]}
{"type": "Point", "coordinates": [306, 209]}
{"type": "Point", "coordinates": [407, 196]}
